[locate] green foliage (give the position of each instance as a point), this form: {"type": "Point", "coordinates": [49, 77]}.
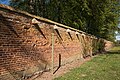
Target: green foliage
{"type": "Point", "coordinates": [97, 17]}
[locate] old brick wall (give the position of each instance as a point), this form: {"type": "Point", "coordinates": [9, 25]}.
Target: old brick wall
{"type": "Point", "coordinates": [108, 45]}
{"type": "Point", "coordinates": [26, 48]}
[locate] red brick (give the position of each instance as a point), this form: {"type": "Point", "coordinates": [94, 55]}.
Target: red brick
{"type": "Point", "coordinates": [18, 52]}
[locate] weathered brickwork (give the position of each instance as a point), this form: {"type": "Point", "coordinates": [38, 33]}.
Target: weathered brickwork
{"type": "Point", "coordinates": [25, 47]}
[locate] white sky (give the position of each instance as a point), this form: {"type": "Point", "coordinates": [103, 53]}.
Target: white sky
{"type": "Point", "coordinates": [118, 37]}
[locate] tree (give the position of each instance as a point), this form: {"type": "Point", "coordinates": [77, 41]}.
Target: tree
{"type": "Point", "coordinates": [97, 17]}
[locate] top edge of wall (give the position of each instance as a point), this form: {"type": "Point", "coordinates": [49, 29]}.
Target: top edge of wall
{"type": "Point", "coordinates": [5, 7]}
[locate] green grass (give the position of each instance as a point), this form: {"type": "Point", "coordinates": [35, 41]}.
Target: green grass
{"type": "Point", "coordinates": [103, 67]}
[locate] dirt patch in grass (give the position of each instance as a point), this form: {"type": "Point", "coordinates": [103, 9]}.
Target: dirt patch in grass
{"type": "Point", "coordinates": [102, 67]}
{"type": "Point", "coordinates": [62, 70]}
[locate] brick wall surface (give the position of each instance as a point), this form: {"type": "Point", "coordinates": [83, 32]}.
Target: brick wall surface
{"type": "Point", "coordinates": [26, 48]}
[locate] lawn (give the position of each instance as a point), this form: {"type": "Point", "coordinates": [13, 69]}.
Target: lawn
{"type": "Point", "coordinates": [103, 67]}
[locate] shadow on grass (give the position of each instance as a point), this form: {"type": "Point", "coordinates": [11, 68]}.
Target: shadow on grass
{"type": "Point", "coordinates": [114, 52]}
